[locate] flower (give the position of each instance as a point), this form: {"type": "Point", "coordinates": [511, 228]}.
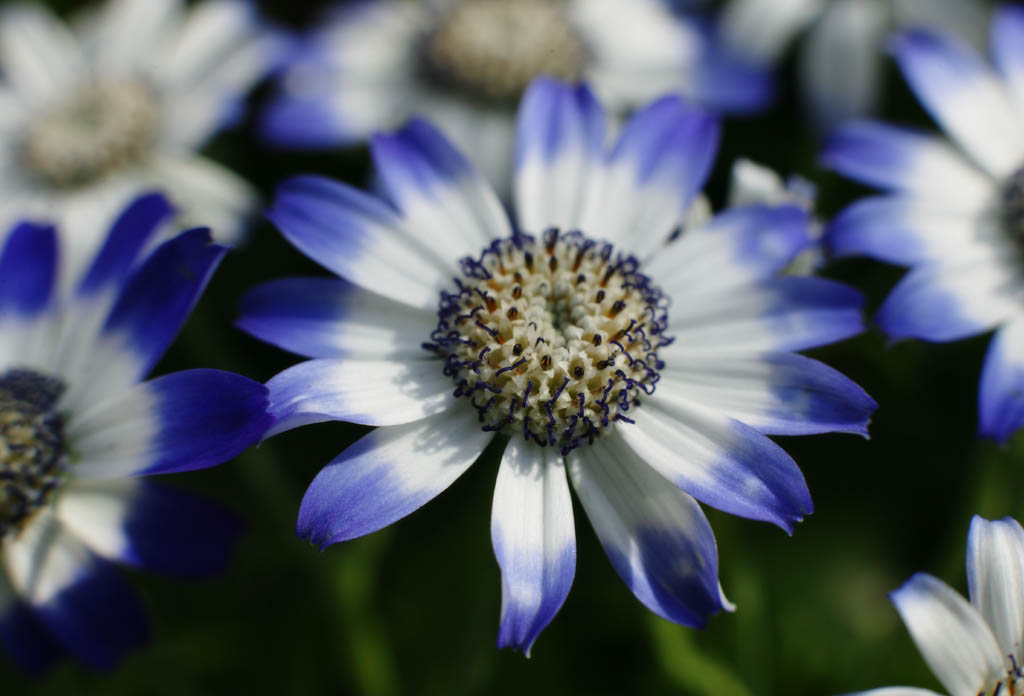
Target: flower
{"type": "Point", "coordinates": [91, 118]}
{"type": "Point", "coordinates": [451, 327]}
{"type": "Point", "coordinates": [464, 64]}
{"type": "Point", "coordinates": [955, 215]}
{"type": "Point", "coordinates": [976, 648]}
{"type": "Point", "coordinates": [77, 427]}
{"type": "Point", "coordinates": [840, 60]}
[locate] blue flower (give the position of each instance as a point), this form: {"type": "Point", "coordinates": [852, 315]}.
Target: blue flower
{"type": "Point", "coordinates": [953, 213]}
{"type": "Point", "coordinates": [590, 338]}
{"type": "Point", "coordinates": [78, 426]}
{"type": "Point", "coordinates": [974, 648]}
{"type": "Point", "coordinates": [464, 64]}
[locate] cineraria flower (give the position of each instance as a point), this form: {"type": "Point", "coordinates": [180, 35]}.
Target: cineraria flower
{"type": "Point", "coordinates": [77, 427]}
{"type": "Point", "coordinates": [465, 63]}
{"type": "Point", "coordinates": [90, 119]}
{"type": "Point", "coordinates": [589, 339]}
{"type": "Point", "coordinates": [840, 59]}
{"type": "Point", "coordinates": [954, 214]}
{"type": "Point", "coordinates": [975, 648]}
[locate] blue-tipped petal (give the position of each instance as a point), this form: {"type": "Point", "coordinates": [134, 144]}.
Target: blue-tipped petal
{"type": "Point", "coordinates": [128, 235]}
{"type": "Point", "coordinates": [1001, 396]}
{"type": "Point", "coordinates": [729, 84]}
{"type": "Point", "coordinates": [388, 474]}
{"type": "Point", "coordinates": [1007, 41]}
{"type": "Point", "coordinates": [774, 393]}
{"type": "Point", "coordinates": [28, 270]}
{"type": "Point", "coordinates": [719, 461]}
{"type": "Point", "coordinates": [331, 318]}
{"type": "Point", "coordinates": [890, 157]}
{"type": "Point", "coordinates": [150, 526]}
{"type": "Point", "coordinates": [534, 541]}
{"type": "Point", "coordinates": [950, 302]}
{"type": "Point", "coordinates": [658, 166]}
{"type": "Point", "coordinates": [560, 133]}
{"type": "Point", "coordinates": [448, 203]}
{"type": "Point", "coordinates": [26, 640]}
{"type": "Point", "coordinates": [157, 298]}
{"type": "Point", "coordinates": [784, 313]}
{"type": "Point", "coordinates": [964, 95]}
{"type": "Point", "coordinates": [371, 392]}
{"type": "Point", "coordinates": [186, 420]}
{"type": "Point", "coordinates": [655, 535]}
{"type": "Point", "coordinates": [360, 238]}
{"type": "Point", "coordinates": [301, 122]}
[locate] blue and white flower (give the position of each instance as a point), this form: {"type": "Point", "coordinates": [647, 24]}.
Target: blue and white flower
{"type": "Point", "coordinates": [78, 428]}
{"type": "Point", "coordinates": [840, 59]}
{"type": "Point", "coordinates": [93, 115]}
{"type": "Point", "coordinates": [974, 648]}
{"type": "Point", "coordinates": [953, 213]}
{"type": "Point", "coordinates": [555, 335]}
{"type": "Point", "coordinates": [464, 63]}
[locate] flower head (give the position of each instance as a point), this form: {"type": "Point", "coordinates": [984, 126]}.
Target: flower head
{"type": "Point", "coordinates": [117, 105]}
{"type": "Point", "coordinates": [78, 426]}
{"type": "Point", "coordinates": [975, 648]}
{"type": "Point", "coordinates": [590, 338]}
{"type": "Point", "coordinates": [465, 64]}
{"type": "Point", "coordinates": [952, 213]}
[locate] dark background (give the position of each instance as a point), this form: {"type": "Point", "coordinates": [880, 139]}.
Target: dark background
{"type": "Point", "coordinates": [414, 609]}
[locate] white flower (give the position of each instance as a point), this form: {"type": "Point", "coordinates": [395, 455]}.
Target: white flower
{"type": "Point", "coordinates": [90, 117]}
{"type": "Point", "coordinates": [976, 648]}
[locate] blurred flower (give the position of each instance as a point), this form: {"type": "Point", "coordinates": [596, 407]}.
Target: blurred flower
{"type": "Point", "coordinates": [840, 62]}
{"type": "Point", "coordinates": [955, 215]}
{"type": "Point", "coordinates": [77, 427]}
{"type": "Point", "coordinates": [556, 340]}
{"type": "Point", "coordinates": [465, 63]}
{"type": "Point", "coordinates": [90, 119]}
{"type": "Point", "coordinates": [976, 648]}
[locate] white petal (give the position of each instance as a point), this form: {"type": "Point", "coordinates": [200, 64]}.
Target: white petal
{"type": "Point", "coordinates": [995, 578]}
{"type": "Point", "coordinates": [124, 33]}
{"type": "Point", "coordinates": [39, 56]}
{"type": "Point", "coordinates": [96, 512]}
{"type": "Point", "coordinates": [43, 559]}
{"type": "Point", "coordinates": [762, 29]}
{"type": "Point", "coordinates": [952, 636]}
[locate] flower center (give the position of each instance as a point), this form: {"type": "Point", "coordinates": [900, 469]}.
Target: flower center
{"type": "Point", "coordinates": [494, 48]}
{"type": "Point", "coordinates": [554, 337]}
{"type": "Point", "coordinates": [102, 128]}
{"type": "Point", "coordinates": [33, 458]}
{"type": "Point", "coordinates": [1013, 205]}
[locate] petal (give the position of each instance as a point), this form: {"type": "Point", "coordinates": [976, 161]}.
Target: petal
{"type": "Point", "coordinates": [125, 32]}
{"type": "Point", "coordinates": [155, 301]}
{"type": "Point", "coordinates": [40, 58]}
{"type": "Point", "coordinates": [23, 637]}
{"type": "Point", "coordinates": [1007, 40]}
{"type": "Point", "coordinates": [534, 541]}
{"type": "Point", "coordinates": [656, 536]}
{"type": "Point", "coordinates": [909, 230]}
{"type": "Point", "coordinates": [186, 420]}
{"type": "Point", "coordinates": [895, 691]}
{"type": "Point", "coordinates": [150, 526]}
{"type": "Point", "coordinates": [762, 29]}
{"type": "Point", "coordinates": [656, 169]}
{"type": "Point", "coordinates": [949, 302]}
{"type": "Point", "coordinates": [331, 318]}
{"type": "Point", "coordinates": [388, 474]}
{"type": "Point", "coordinates": [886, 156]}
{"type": "Point", "coordinates": [80, 598]}
{"type": "Point", "coordinates": [559, 153]}
{"type": "Point", "coordinates": [1001, 396]}
{"type": "Point", "coordinates": [775, 393]}
{"type": "Point", "coordinates": [995, 580]}
{"type": "Point", "coordinates": [963, 94]}
{"type": "Point", "coordinates": [719, 461]}
{"type": "Point", "coordinates": [28, 270]}
{"type": "Point", "coordinates": [952, 636]}
{"type": "Point", "coordinates": [779, 314]}
{"type": "Point", "coordinates": [360, 239]}
{"type": "Point", "coordinates": [371, 392]}
{"type": "Point", "coordinates": [441, 195]}
{"type": "Point", "coordinates": [737, 246]}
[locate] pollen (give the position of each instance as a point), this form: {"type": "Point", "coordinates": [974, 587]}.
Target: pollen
{"type": "Point", "coordinates": [492, 49]}
{"type": "Point", "coordinates": [33, 459]}
{"type": "Point", "coordinates": [102, 128]}
{"type": "Point", "coordinates": [554, 338]}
